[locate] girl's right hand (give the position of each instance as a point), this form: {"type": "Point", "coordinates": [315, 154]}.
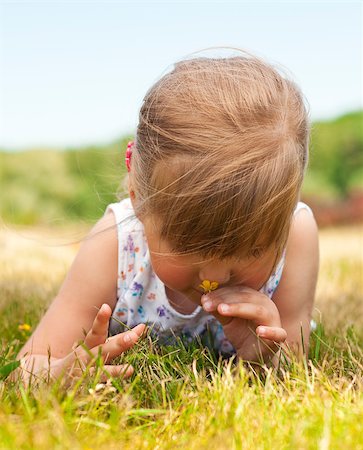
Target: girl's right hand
{"type": "Point", "coordinates": [95, 342]}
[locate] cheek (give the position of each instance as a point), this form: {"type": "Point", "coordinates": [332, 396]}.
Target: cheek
{"type": "Point", "coordinates": [257, 276]}
{"type": "Point", "coordinates": [177, 278]}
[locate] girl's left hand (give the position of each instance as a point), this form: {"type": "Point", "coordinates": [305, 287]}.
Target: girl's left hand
{"type": "Point", "coordinates": [250, 319]}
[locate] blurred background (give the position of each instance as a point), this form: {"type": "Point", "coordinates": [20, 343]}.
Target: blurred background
{"type": "Point", "coordinates": [73, 76]}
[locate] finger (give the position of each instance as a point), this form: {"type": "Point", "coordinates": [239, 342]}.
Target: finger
{"type": "Point", "coordinates": [140, 329]}
{"type": "Point", "coordinates": [99, 330]}
{"type": "Point", "coordinates": [237, 294]}
{"type": "Point", "coordinates": [113, 347]}
{"type": "Point", "coordinates": [249, 311]}
{"type": "Point", "coordinates": [275, 334]}
{"type": "Point", "coordinates": [123, 371]}
{"type": "Point", "coordinates": [210, 306]}
{"type": "Point", "coordinates": [248, 293]}
{"type": "Point", "coordinates": [118, 344]}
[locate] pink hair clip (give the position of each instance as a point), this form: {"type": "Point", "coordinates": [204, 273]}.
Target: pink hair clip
{"type": "Point", "coordinates": [128, 155]}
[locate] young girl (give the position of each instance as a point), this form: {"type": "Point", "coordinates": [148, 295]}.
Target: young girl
{"type": "Point", "coordinates": [212, 240]}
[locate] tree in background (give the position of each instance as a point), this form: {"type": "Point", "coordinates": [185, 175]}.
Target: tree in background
{"type": "Point", "coordinates": [336, 153]}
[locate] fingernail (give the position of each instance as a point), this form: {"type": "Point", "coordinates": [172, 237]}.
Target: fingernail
{"type": "Point", "coordinates": [129, 370]}
{"type": "Point", "coordinates": [224, 308]}
{"type": "Point", "coordinates": [261, 331]}
{"type": "Point", "coordinates": [208, 306]}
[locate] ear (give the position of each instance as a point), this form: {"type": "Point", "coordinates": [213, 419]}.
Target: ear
{"type": "Point", "coordinates": [132, 194]}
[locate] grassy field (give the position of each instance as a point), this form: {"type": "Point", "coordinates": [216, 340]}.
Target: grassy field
{"type": "Point", "coordinates": [184, 398]}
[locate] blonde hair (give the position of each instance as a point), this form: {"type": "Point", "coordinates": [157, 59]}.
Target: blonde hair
{"type": "Point", "coordinates": [221, 149]}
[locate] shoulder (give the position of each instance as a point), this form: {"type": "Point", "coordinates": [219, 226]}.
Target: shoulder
{"type": "Point", "coordinates": [303, 235]}
{"type": "Point", "coordinates": [95, 266]}
{"type": "Point", "coordinates": [302, 250]}
{"type": "Point", "coordinates": [122, 211]}
{"type": "Point", "coordinates": [105, 223]}
{"type": "Point", "coordinates": [103, 236]}
{"type": "Point", "coordinates": [296, 291]}
{"type": "Point", "coordinates": [102, 241]}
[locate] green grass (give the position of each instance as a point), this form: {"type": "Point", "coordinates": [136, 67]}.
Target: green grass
{"type": "Point", "coordinates": [183, 397]}
{"type": "Point", "coordinates": [185, 400]}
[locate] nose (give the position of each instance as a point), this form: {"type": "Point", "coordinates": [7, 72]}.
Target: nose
{"type": "Point", "coordinates": [215, 272]}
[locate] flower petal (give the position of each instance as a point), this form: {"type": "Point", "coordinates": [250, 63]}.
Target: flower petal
{"type": "Point", "coordinates": [205, 285]}
{"type": "Point", "coordinates": [214, 285]}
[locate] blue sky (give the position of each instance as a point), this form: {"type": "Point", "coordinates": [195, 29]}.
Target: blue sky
{"type": "Point", "coordinates": [75, 72]}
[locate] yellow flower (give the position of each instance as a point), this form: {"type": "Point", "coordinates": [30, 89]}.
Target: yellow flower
{"type": "Point", "coordinates": [208, 286]}
{"type": "Point", "coordinates": [24, 327]}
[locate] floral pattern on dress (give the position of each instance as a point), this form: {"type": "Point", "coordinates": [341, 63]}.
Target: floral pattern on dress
{"type": "Point", "coordinates": [141, 296]}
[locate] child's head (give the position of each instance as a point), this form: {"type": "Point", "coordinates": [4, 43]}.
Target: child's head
{"type": "Point", "coordinates": [221, 149]}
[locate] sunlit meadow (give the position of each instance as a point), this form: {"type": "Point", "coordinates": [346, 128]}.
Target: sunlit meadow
{"type": "Point", "coordinates": [185, 398]}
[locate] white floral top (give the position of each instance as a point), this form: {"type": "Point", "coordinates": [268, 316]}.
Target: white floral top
{"type": "Point", "coordinates": [141, 296]}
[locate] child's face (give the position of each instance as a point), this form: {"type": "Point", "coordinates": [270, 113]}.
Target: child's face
{"type": "Point", "coordinates": [184, 273]}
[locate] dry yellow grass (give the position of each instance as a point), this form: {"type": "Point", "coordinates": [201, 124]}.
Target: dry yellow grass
{"type": "Point", "coordinates": [339, 297]}
{"type": "Point", "coordinates": [35, 261]}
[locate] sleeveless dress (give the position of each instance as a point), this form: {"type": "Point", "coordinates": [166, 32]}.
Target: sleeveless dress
{"type": "Point", "coordinates": [141, 296]}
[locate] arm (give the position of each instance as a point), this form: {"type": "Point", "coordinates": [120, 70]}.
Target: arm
{"type": "Point", "coordinates": [91, 282]}
{"type": "Point", "coordinates": [295, 294]}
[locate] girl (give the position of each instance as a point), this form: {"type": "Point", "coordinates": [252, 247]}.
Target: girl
{"type": "Point", "coordinates": [212, 239]}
